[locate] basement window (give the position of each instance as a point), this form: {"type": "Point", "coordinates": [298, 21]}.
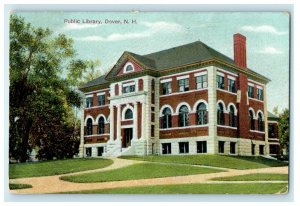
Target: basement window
{"type": "Point", "coordinates": [183, 147]}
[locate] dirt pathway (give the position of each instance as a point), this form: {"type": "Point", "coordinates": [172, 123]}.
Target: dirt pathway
{"type": "Point", "coordinates": [52, 184]}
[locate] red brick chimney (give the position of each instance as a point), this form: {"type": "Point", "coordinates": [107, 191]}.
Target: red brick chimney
{"type": "Point", "coordinates": [240, 50]}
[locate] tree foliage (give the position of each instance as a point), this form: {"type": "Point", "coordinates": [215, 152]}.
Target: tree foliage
{"type": "Point", "coordinates": [284, 129]}
{"type": "Point", "coordinates": [41, 99]}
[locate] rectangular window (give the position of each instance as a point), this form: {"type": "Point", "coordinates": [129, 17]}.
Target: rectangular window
{"type": "Point", "coordinates": [166, 88]}
{"type": "Point", "coordinates": [253, 149]}
{"type": "Point", "coordinates": [100, 151]}
{"type": "Point", "coordinates": [221, 146]}
{"type": "Point", "coordinates": [101, 100]}
{"type": "Point", "coordinates": [88, 152]}
{"type": "Point", "coordinates": [152, 130]}
{"type": "Point", "coordinates": [152, 117]}
{"type": "Point", "coordinates": [260, 94]}
{"type": "Point", "coordinates": [183, 147]}
{"type": "Point", "coordinates": [202, 147]}
{"type": "Point", "coordinates": [166, 148]}
{"type": "Point", "coordinates": [232, 147]}
{"type": "Point", "coordinates": [250, 91]}
{"type": "Point", "coordinates": [88, 102]}
{"type": "Point", "coordinates": [271, 131]}
{"type": "Point", "coordinates": [201, 81]}
{"type": "Point", "coordinates": [183, 85]}
{"type": "Point", "coordinates": [220, 82]}
{"type": "Point", "coordinates": [261, 149]}
{"type": "Point", "coordinates": [128, 89]}
{"type": "Point", "coordinates": [231, 85]}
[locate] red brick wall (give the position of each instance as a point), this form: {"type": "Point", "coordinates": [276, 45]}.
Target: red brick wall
{"type": "Point", "coordinates": [96, 139]}
{"type": "Point", "coordinates": [186, 132]}
{"type": "Point", "coordinates": [191, 98]}
{"type": "Point", "coordinates": [139, 120]}
{"type": "Point", "coordinates": [141, 85]}
{"type": "Point", "coordinates": [227, 132]}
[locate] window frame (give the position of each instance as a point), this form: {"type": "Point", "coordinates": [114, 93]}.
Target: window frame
{"type": "Point", "coordinates": [166, 88]}
{"type": "Point", "coordinates": [232, 147]}
{"type": "Point", "coordinates": [201, 147]}
{"type": "Point", "coordinates": [183, 147]}
{"type": "Point", "coordinates": [220, 114]}
{"type": "Point", "coordinates": [131, 89]}
{"type": "Point", "coordinates": [232, 117]}
{"type": "Point", "coordinates": [183, 85]}
{"type": "Point", "coordinates": [101, 130]}
{"type": "Point", "coordinates": [201, 114]}
{"type": "Point", "coordinates": [250, 91]}
{"type": "Point", "coordinates": [231, 85]}
{"type": "Point", "coordinates": [168, 148]}
{"type": "Point", "coordinates": [202, 81]}
{"type": "Point", "coordinates": [221, 147]}
{"type": "Point", "coordinates": [260, 94]}
{"type": "Point", "coordinates": [101, 99]}
{"type": "Point", "coordinates": [88, 102]}
{"type": "Point", "coordinates": [89, 126]}
{"type": "Point", "coordinates": [183, 116]}
{"type": "Point", "coordinates": [220, 84]}
{"type": "Point", "coordinates": [126, 114]}
{"type": "Point", "coordinates": [166, 118]}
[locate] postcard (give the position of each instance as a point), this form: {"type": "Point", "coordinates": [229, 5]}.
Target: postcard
{"type": "Point", "coordinates": [149, 102]}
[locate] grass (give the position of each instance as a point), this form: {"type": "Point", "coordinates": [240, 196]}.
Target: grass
{"type": "Point", "coordinates": [249, 188]}
{"type": "Point", "coordinates": [19, 186]}
{"type": "Point", "coordinates": [55, 167]}
{"type": "Point", "coordinates": [139, 171]}
{"type": "Point", "coordinates": [255, 177]}
{"type": "Point", "coordinates": [214, 160]}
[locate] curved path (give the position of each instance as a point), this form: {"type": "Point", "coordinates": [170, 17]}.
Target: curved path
{"type": "Point", "coordinates": [52, 184]}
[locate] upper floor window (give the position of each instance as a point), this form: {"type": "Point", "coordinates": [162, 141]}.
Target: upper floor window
{"type": "Point", "coordinates": [101, 100]}
{"type": "Point", "coordinates": [167, 118]}
{"type": "Point", "coordinates": [128, 67]}
{"type": "Point", "coordinates": [101, 125]}
{"type": "Point", "coordinates": [183, 85]}
{"type": "Point", "coordinates": [232, 121]}
{"type": "Point", "coordinates": [128, 114]}
{"type": "Point", "coordinates": [260, 94]}
{"type": "Point", "coordinates": [201, 114]}
{"type": "Point", "coordinates": [129, 88]}
{"type": "Point", "coordinates": [220, 82]}
{"type": "Point", "coordinates": [250, 91]}
{"type": "Point", "coordinates": [89, 126]}
{"type": "Point", "coordinates": [251, 120]}
{"type": "Point", "coordinates": [183, 116]}
{"type": "Point", "coordinates": [260, 122]}
{"type": "Point", "coordinates": [231, 85]}
{"type": "Point", "coordinates": [88, 102]}
{"type": "Point", "coordinates": [271, 131]}
{"type": "Point", "coordinates": [201, 81]}
{"type": "Point", "coordinates": [166, 88]}
{"type": "Point", "coordinates": [220, 114]}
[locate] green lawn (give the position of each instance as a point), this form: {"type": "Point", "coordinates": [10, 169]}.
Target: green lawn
{"type": "Point", "coordinates": [255, 177]}
{"type": "Point", "coordinates": [55, 167]}
{"type": "Point", "coordinates": [139, 171]}
{"type": "Point", "coordinates": [248, 188]}
{"type": "Point", "coordinates": [19, 186]}
{"type": "Point", "coordinates": [214, 160]}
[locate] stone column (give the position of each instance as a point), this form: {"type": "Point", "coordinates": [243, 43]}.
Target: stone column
{"type": "Point", "coordinates": [81, 146]}
{"type": "Point", "coordinates": [112, 123]}
{"type": "Point", "coordinates": [119, 122]}
{"type": "Point", "coordinates": [267, 147]}
{"type": "Point", "coordinates": [143, 120]}
{"type": "Point", "coordinates": [135, 121]}
{"type": "Point", "coordinates": [212, 143]}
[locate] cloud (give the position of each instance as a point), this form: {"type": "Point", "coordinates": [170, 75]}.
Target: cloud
{"type": "Point", "coordinates": [153, 28]}
{"type": "Point", "coordinates": [263, 29]}
{"type": "Point", "coordinates": [270, 50]}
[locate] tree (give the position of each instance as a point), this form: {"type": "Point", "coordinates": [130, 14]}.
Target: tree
{"type": "Point", "coordinates": [40, 97]}
{"type": "Point", "coordinates": [283, 129]}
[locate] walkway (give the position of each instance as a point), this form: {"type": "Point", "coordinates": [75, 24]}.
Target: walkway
{"type": "Point", "coordinates": [52, 184]}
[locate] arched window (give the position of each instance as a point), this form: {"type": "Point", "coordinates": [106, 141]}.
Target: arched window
{"type": "Point", "coordinates": [128, 114]}
{"type": "Point", "coordinates": [260, 122]}
{"type": "Point", "coordinates": [201, 114]}
{"type": "Point", "coordinates": [220, 113]}
{"type": "Point", "coordinates": [183, 116]}
{"type": "Point", "coordinates": [101, 125]}
{"type": "Point", "coordinates": [167, 118]}
{"type": "Point", "coordinates": [129, 68]}
{"type": "Point", "coordinates": [251, 120]}
{"type": "Point", "coordinates": [232, 121]}
{"type": "Point", "coordinates": [89, 126]}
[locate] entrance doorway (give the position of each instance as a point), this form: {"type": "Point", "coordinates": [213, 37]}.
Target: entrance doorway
{"type": "Point", "coordinates": [127, 137]}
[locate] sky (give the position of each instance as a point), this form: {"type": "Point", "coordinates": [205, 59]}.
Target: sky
{"type": "Point", "coordinates": [267, 36]}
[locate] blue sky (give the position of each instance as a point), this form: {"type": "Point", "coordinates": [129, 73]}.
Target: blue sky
{"type": "Point", "coordinates": [267, 38]}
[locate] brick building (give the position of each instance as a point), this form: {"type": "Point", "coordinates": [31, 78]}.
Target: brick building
{"type": "Point", "coordinates": [188, 99]}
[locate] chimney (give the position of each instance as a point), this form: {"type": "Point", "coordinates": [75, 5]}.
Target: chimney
{"type": "Point", "coordinates": [240, 50]}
